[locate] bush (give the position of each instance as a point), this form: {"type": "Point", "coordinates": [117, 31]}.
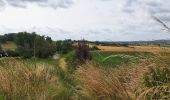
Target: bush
{"type": "Point", "coordinates": [64, 46]}
{"type": "Point", "coordinates": [11, 53]}
{"type": "Point", "coordinates": [79, 56]}
{"type": "Point", "coordinates": [82, 53]}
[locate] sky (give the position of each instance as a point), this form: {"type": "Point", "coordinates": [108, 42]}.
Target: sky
{"type": "Point", "coordinates": [101, 20]}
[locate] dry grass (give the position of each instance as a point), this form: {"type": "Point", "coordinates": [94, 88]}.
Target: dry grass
{"type": "Point", "coordinates": [156, 85]}
{"type": "Point", "coordinates": [135, 48]}
{"type": "Point", "coordinates": [99, 84]}
{"type": "Point", "coordinates": [22, 82]}
{"type": "Point", "coordinates": [9, 46]}
{"type": "Point", "coordinates": [114, 83]}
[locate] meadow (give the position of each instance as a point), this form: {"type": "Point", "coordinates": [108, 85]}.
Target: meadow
{"type": "Point", "coordinates": [112, 73]}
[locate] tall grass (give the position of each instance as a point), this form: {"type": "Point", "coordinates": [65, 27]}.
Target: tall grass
{"type": "Point", "coordinates": [99, 84]}
{"type": "Point", "coordinates": [156, 84]}
{"type": "Point", "coordinates": [124, 81]}
{"type": "Point", "coordinates": [19, 81]}
{"type": "Point", "coordinates": [24, 81]}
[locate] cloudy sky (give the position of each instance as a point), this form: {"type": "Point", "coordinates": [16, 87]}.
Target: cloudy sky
{"type": "Point", "coordinates": [113, 20]}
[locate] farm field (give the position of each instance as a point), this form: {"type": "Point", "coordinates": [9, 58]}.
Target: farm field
{"type": "Point", "coordinates": [113, 59]}
{"type": "Point", "coordinates": [135, 48]}
{"type": "Point", "coordinates": [9, 46]}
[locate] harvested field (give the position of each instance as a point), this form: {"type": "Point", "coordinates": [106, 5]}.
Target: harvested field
{"type": "Point", "coordinates": [9, 46]}
{"type": "Point", "coordinates": [135, 48]}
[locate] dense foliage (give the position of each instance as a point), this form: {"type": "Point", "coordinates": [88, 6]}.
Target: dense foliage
{"type": "Point", "coordinates": [64, 46]}
{"type": "Point", "coordinates": [29, 45]}
{"type": "Point", "coordinates": [79, 56]}
{"type": "Point", "coordinates": [7, 37]}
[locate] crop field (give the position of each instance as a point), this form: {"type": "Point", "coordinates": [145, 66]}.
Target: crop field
{"type": "Point", "coordinates": [113, 59]}
{"type": "Point", "coordinates": [9, 46]}
{"type": "Point", "coordinates": [135, 48]}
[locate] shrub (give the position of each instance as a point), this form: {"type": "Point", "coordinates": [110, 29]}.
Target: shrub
{"type": "Point", "coordinates": [64, 46]}
{"type": "Point", "coordinates": [156, 84]}
{"type": "Point", "coordinates": [82, 53]}
{"type": "Point", "coordinates": [79, 56]}
{"type": "Point", "coordinates": [12, 53]}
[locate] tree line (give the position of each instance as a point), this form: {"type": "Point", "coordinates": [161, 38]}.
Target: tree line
{"type": "Point", "coordinates": [33, 45]}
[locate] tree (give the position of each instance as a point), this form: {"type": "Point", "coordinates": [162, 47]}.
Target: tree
{"type": "Point", "coordinates": [49, 39]}
{"type": "Point", "coordinates": [31, 44]}
{"type": "Point", "coordinates": [44, 48]}
{"type": "Point", "coordinates": [10, 36]}
{"type": "Point", "coordinates": [2, 39]}
{"type": "Point", "coordinates": [64, 46]}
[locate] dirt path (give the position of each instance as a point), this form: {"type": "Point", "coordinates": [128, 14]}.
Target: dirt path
{"type": "Point", "coordinates": [63, 64]}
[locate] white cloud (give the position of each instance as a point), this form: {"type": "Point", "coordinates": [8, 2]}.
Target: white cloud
{"type": "Point", "coordinates": [91, 19]}
{"type": "Point", "coordinates": [43, 3]}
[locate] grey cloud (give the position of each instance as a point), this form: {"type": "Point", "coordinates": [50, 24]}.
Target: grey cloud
{"type": "Point", "coordinates": [43, 3]}
{"type": "Point", "coordinates": [1, 3]}
{"type": "Point", "coordinates": [153, 7]}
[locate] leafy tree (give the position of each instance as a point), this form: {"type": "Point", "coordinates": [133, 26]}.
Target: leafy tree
{"type": "Point", "coordinates": [2, 53]}
{"type": "Point", "coordinates": [11, 53]}
{"type": "Point", "coordinates": [10, 36]}
{"type": "Point", "coordinates": [31, 44]}
{"type": "Point", "coordinates": [44, 48]}
{"type": "Point", "coordinates": [64, 46]}
{"type": "Point", "coordinates": [49, 39]}
{"type": "Point", "coordinates": [2, 39]}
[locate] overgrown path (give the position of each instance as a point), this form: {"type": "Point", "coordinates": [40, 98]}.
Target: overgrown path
{"type": "Point", "coordinates": [63, 64]}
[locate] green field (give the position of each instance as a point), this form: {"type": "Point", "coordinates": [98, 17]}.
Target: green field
{"type": "Point", "coordinates": [113, 59]}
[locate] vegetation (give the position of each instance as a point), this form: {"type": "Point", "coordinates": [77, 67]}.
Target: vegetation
{"type": "Point", "coordinates": [64, 46]}
{"type": "Point", "coordinates": [21, 81]}
{"type": "Point", "coordinates": [91, 74]}
{"type": "Point", "coordinates": [99, 84]}
{"type": "Point", "coordinates": [29, 45]}
{"type": "Point", "coordinates": [79, 56]}
{"type": "Point", "coordinates": [156, 84]}
{"type": "Point", "coordinates": [113, 59]}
